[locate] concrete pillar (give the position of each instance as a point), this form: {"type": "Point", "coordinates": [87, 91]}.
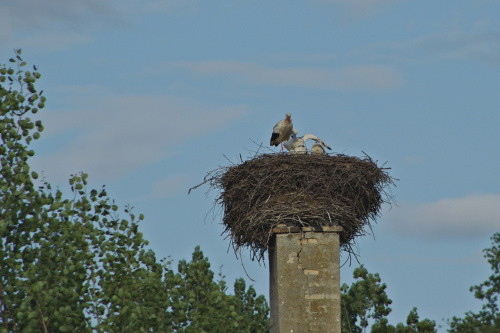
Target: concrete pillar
{"type": "Point", "coordinates": [304, 265]}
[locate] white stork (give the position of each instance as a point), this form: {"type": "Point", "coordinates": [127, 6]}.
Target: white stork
{"type": "Point", "coordinates": [297, 145]}
{"type": "Point", "coordinates": [317, 149]}
{"type": "Point", "coordinates": [299, 148]}
{"type": "Point", "coordinates": [282, 130]}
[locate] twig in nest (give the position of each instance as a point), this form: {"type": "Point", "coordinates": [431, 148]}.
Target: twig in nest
{"type": "Point", "coordinates": [242, 265]}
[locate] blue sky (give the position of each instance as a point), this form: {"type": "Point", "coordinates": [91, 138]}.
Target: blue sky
{"type": "Point", "coordinates": [148, 96]}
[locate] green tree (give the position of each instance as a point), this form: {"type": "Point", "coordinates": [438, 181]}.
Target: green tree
{"type": "Point", "coordinates": [75, 265]}
{"type": "Point", "coordinates": [413, 325]}
{"type": "Point", "coordinates": [366, 301]}
{"type": "Point", "coordinates": [252, 310]}
{"type": "Point", "coordinates": [200, 304]}
{"type": "Point", "coordinates": [487, 320]}
{"type": "Point", "coordinates": [65, 265]}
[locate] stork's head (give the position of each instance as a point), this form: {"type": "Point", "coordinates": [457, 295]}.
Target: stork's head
{"type": "Point", "coordinates": [288, 117]}
{"type": "Point", "coordinates": [294, 133]}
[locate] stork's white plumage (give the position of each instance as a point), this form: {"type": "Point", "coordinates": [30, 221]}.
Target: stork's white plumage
{"type": "Point", "coordinates": [282, 130]}
{"type": "Point", "coordinates": [297, 144]}
{"type": "Point", "coordinates": [317, 149]}
{"type": "Point", "coordinates": [301, 150]}
{"type": "Point", "coordinates": [294, 145]}
{"type": "Point", "coordinates": [290, 143]}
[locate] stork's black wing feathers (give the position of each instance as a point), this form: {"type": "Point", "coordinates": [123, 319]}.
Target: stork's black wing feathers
{"type": "Point", "coordinates": [274, 137]}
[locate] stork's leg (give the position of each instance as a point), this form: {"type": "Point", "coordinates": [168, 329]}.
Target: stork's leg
{"type": "Point", "coordinates": [282, 147]}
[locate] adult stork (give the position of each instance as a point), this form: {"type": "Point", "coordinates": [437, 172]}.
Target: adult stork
{"type": "Point", "coordinates": [282, 131]}
{"type": "Point", "coordinates": [296, 145]}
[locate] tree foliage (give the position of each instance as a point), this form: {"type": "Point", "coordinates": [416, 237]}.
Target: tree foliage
{"type": "Point", "coordinates": [75, 265]}
{"type": "Point", "coordinates": [366, 301]}
{"type": "Point", "coordinates": [200, 304]}
{"type": "Point", "coordinates": [487, 320]}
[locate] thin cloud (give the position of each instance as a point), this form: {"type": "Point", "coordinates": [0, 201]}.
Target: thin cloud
{"type": "Point", "coordinates": [307, 58]}
{"type": "Point", "coordinates": [172, 7]}
{"type": "Point", "coordinates": [470, 216]}
{"type": "Point", "coordinates": [53, 40]}
{"type": "Point", "coordinates": [358, 9]}
{"type": "Point", "coordinates": [75, 12]}
{"type": "Point", "coordinates": [355, 2]}
{"type": "Point", "coordinates": [351, 78]}
{"type": "Point", "coordinates": [483, 47]}
{"type": "Point", "coordinates": [419, 259]}
{"type": "Point", "coordinates": [66, 17]}
{"type": "Point", "coordinates": [33, 13]}
{"type": "Point", "coordinates": [115, 135]}
{"type": "Point", "coordinates": [54, 24]}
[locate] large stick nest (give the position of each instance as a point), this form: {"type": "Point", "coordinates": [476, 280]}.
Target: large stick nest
{"type": "Point", "coordinates": [299, 190]}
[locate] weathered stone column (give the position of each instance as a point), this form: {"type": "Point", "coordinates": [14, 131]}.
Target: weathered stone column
{"type": "Point", "coordinates": [304, 265]}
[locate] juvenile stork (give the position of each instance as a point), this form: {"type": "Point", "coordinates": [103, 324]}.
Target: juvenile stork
{"type": "Point", "coordinates": [317, 149]}
{"type": "Point", "coordinates": [296, 145]}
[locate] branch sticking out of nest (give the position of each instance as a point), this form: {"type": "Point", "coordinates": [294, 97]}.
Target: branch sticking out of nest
{"type": "Point", "coordinates": [299, 190]}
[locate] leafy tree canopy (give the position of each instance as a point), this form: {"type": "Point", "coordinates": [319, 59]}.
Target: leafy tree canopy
{"type": "Point", "coordinates": [76, 265]}
{"type": "Point", "coordinates": [488, 319]}
{"type": "Point", "coordinates": [366, 301]}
